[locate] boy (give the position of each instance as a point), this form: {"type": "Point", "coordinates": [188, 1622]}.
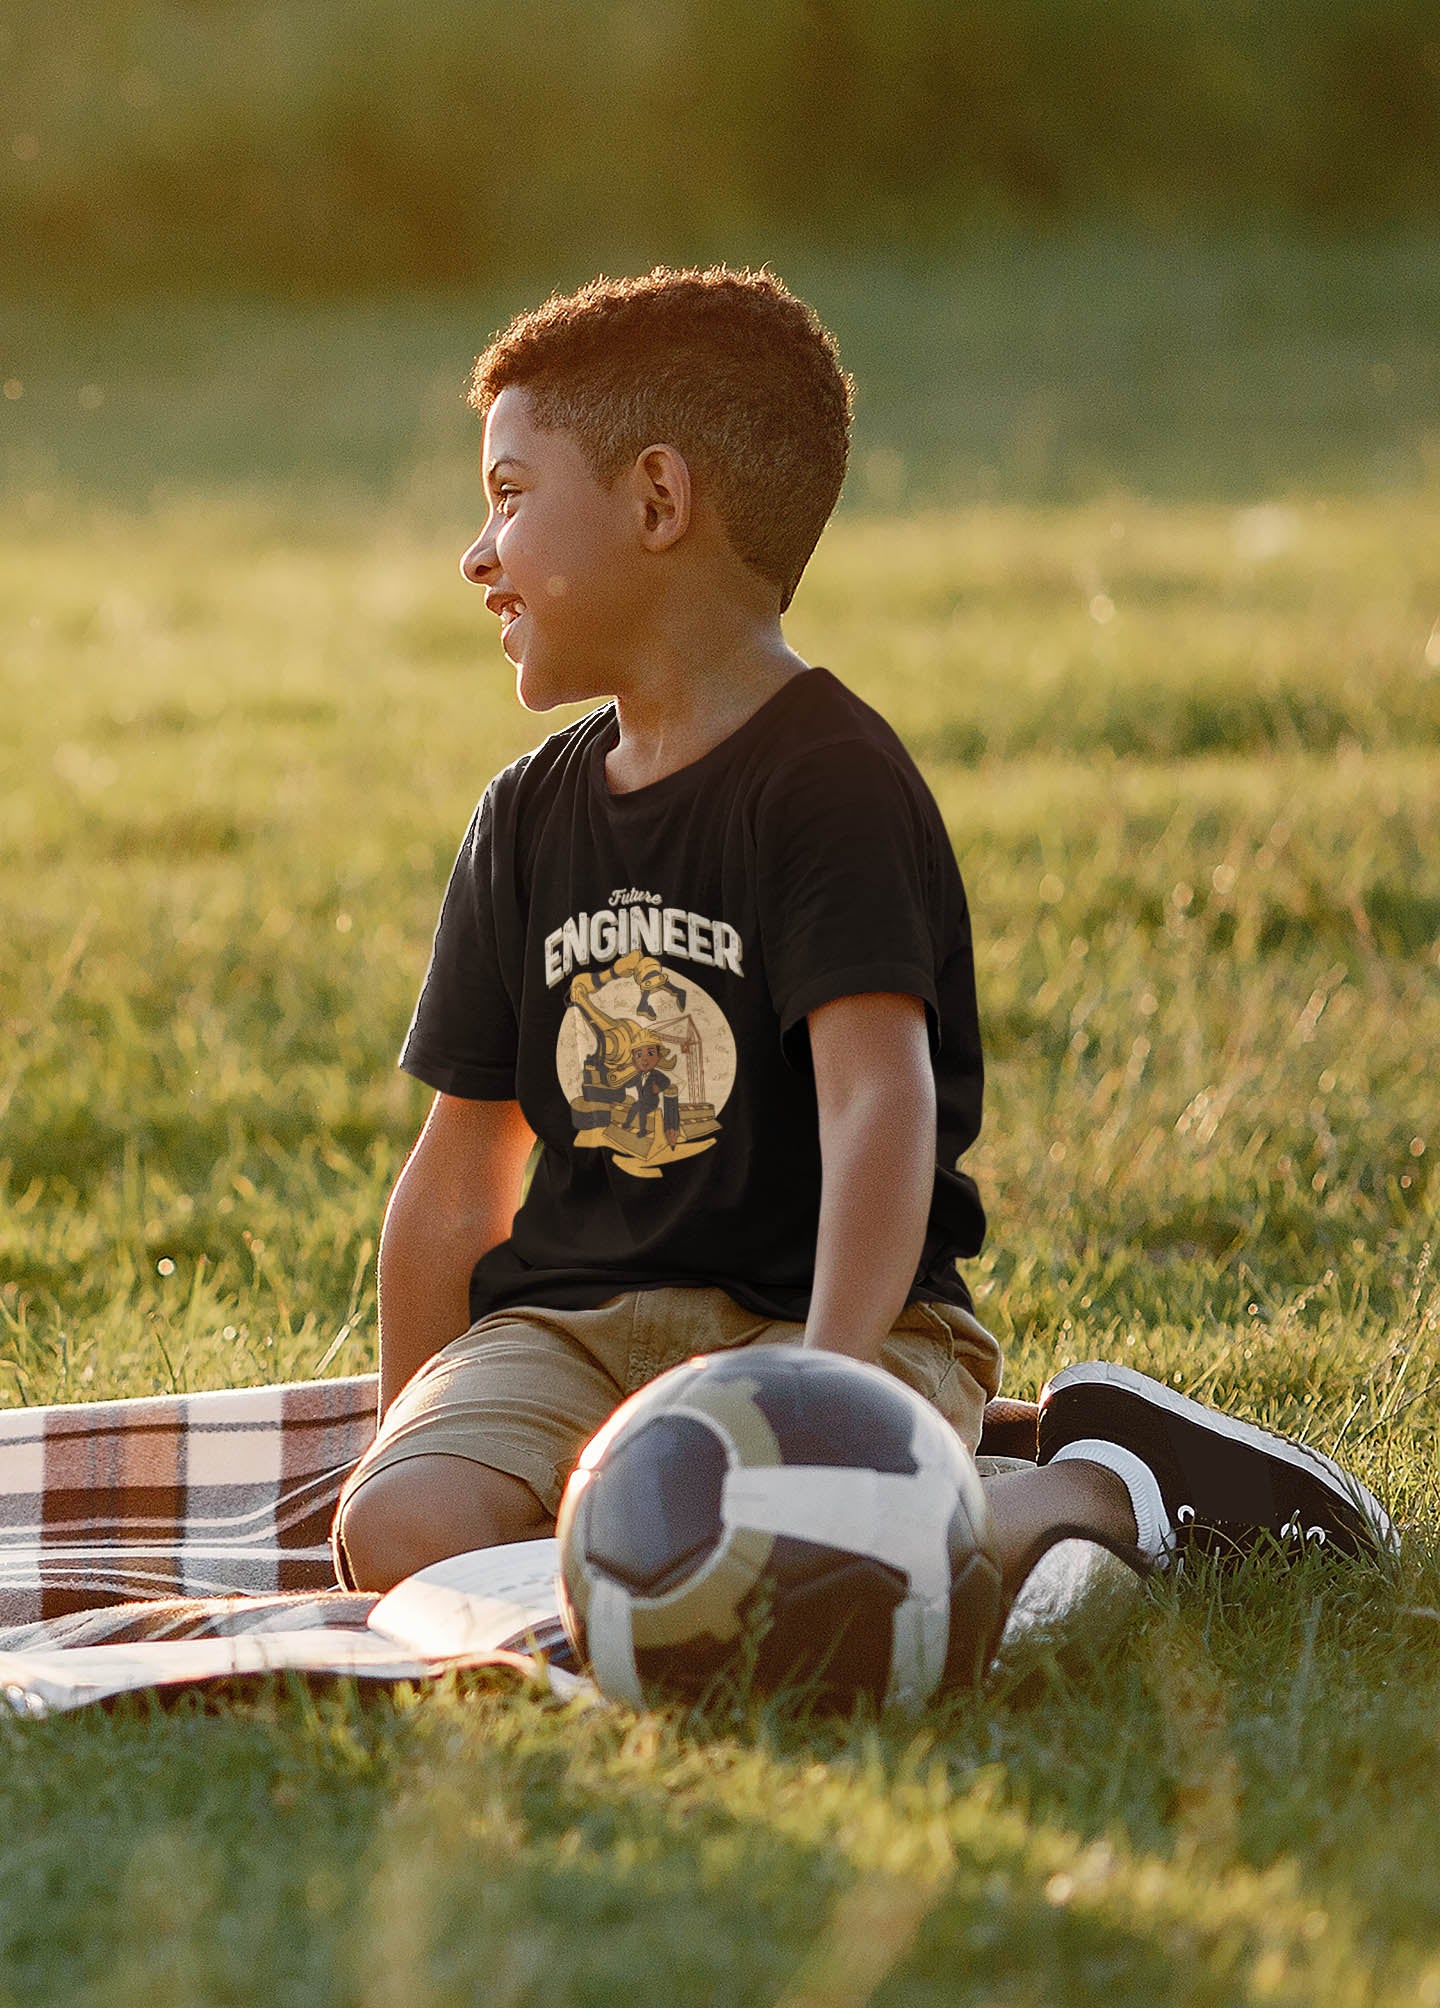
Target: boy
{"type": "Point", "coordinates": [709, 945]}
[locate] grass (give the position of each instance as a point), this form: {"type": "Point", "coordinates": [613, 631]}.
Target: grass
{"type": "Point", "coordinates": [1188, 752]}
{"type": "Point", "coordinates": [1174, 363]}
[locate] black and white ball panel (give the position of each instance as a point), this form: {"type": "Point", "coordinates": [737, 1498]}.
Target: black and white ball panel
{"type": "Point", "coordinates": [810, 1402]}
{"type": "Point", "coordinates": [977, 1618]}
{"type": "Point", "coordinates": [813, 1618]}
{"type": "Point", "coordinates": [658, 1516]}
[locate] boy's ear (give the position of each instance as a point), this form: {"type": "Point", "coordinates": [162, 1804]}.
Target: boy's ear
{"type": "Point", "coordinates": [662, 485]}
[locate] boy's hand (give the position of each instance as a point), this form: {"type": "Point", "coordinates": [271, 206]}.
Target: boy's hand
{"type": "Point", "coordinates": [455, 1200]}
{"type": "Point", "coordinates": [875, 1087]}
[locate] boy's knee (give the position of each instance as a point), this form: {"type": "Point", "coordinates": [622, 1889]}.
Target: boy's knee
{"type": "Point", "coordinates": [406, 1516]}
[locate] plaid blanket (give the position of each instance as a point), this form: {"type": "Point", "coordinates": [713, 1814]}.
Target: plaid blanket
{"type": "Point", "coordinates": [168, 1618]}
{"type": "Point", "coordinates": [201, 1495]}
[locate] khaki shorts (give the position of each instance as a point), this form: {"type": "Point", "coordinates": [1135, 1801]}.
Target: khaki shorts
{"type": "Point", "coordinates": [525, 1389]}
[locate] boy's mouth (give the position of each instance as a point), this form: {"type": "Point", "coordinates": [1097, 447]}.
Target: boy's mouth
{"type": "Point", "coordinates": [509, 609]}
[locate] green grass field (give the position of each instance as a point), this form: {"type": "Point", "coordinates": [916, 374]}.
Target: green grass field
{"type": "Point", "coordinates": [1189, 753]}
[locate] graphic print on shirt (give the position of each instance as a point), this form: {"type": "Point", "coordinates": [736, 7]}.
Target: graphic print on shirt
{"type": "Point", "coordinates": [646, 1059]}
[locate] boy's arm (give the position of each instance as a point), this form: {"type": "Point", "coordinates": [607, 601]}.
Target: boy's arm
{"type": "Point", "coordinates": [455, 1199]}
{"type": "Point", "coordinates": [875, 1086]}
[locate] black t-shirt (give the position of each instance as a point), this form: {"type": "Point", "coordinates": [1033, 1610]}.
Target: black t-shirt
{"type": "Point", "coordinates": [636, 970]}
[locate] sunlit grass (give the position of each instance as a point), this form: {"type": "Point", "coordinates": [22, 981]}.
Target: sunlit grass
{"type": "Point", "coordinates": [1190, 758]}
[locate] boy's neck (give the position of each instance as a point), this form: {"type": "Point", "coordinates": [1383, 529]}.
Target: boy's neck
{"type": "Point", "coordinates": [675, 709]}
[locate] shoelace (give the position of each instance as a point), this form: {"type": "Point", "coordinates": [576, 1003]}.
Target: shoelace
{"type": "Point", "coordinates": [1291, 1531]}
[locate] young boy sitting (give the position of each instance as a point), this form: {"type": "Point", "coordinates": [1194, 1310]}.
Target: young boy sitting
{"type": "Point", "coordinates": [710, 947]}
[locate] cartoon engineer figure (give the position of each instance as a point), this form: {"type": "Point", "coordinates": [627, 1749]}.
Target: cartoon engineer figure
{"type": "Point", "coordinates": [653, 1090]}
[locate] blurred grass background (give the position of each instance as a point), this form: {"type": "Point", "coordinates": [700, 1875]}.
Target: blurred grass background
{"type": "Point", "coordinates": [315, 144]}
{"type": "Point", "coordinates": [1186, 247]}
{"type": "Point", "coordinates": [1035, 368]}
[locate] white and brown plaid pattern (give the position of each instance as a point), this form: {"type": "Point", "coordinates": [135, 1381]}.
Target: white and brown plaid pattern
{"type": "Point", "coordinates": [199, 1495]}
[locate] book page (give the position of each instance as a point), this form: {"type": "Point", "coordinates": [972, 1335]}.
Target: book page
{"type": "Point", "coordinates": [481, 1602]}
{"type": "Point", "coordinates": [481, 1608]}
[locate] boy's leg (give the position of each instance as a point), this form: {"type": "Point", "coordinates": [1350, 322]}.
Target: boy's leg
{"type": "Point", "coordinates": [475, 1450]}
{"type": "Point", "coordinates": [1009, 1429]}
{"type": "Point", "coordinates": [1026, 1508]}
{"type": "Point", "coordinates": [408, 1515]}
{"type": "Point", "coordinates": [1128, 1458]}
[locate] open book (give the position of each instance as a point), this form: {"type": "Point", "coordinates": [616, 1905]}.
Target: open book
{"type": "Point", "coordinates": [496, 1607]}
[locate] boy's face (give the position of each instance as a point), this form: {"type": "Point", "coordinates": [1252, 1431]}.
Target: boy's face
{"type": "Point", "coordinates": [558, 559]}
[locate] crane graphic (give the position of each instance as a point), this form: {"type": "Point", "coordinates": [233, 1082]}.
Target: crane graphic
{"type": "Point", "coordinates": [629, 1101]}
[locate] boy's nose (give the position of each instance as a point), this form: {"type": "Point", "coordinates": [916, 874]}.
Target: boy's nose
{"type": "Point", "coordinates": [479, 561]}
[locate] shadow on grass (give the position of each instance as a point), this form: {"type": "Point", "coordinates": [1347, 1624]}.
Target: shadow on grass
{"type": "Point", "coordinates": [1166, 1819]}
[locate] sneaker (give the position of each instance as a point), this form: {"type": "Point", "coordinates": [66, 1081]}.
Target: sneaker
{"type": "Point", "coordinates": [1225, 1484]}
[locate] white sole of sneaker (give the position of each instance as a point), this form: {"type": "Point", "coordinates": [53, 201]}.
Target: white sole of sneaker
{"type": "Point", "coordinates": [1300, 1455]}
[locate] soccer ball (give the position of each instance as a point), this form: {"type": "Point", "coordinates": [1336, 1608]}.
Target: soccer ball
{"type": "Point", "coordinates": [778, 1515]}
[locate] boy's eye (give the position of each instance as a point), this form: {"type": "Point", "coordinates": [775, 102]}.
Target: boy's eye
{"type": "Point", "coordinates": [503, 497]}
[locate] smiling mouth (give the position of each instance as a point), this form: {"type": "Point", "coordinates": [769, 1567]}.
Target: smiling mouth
{"type": "Point", "coordinates": [509, 610]}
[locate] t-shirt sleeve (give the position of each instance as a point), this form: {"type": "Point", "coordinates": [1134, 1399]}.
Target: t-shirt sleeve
{"type": "Point", "coordinates": [844, 873]}
{"type": "Point", "coordinates": [463, 1038]}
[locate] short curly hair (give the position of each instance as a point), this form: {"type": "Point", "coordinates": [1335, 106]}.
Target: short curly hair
{"type": "Point", "coordinates": [725, 365]}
